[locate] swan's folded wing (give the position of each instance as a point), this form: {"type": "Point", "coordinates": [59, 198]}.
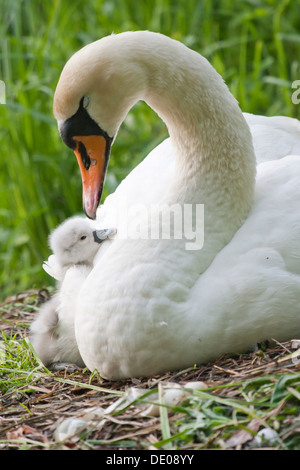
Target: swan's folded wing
{"type": "Point", "coordinates": [53, 268]}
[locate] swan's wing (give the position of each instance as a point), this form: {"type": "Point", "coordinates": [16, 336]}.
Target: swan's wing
{"type": "Point", "coordinates": [274, 137]}
{"type": "Point", "coordinates": [53, 268]}
{"type": "Point", "coordinates": [274, 220]}
{"type": "Point", "coordinates": [257, 274]}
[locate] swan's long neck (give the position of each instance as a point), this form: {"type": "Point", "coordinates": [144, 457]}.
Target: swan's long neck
{"type": "Point", "coordinates": [215, 162]}
{"type": "Point", "coordinates": [211, 140]}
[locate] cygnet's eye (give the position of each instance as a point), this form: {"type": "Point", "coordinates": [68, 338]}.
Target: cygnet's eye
{"type": "Point", "coordinates": [83, 237]}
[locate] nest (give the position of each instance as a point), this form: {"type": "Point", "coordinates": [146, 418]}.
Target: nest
{"type": "Point", "coordinates": [31, 411]}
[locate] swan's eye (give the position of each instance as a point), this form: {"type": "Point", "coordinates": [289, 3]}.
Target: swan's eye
{"type": "Point", "coordinates": [83, 237]}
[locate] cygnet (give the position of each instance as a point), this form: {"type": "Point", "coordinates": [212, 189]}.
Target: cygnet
{"type": "Point", "coordinates": [74, 244]}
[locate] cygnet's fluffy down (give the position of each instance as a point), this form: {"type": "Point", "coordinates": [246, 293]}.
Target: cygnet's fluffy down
{"type": "Point", "coordinates": [74, 244]}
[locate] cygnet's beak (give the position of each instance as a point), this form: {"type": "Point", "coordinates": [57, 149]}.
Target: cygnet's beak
{"type": "Point", "coordinates": [101, 235]}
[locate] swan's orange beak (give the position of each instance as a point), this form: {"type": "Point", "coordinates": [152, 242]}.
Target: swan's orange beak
{"type": "Point", "coordinates": [92, 154]}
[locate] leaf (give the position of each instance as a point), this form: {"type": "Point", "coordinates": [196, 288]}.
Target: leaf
{"type": "Point", "coordinates": [280, 389]}
{"type": "Point", "coordinates": [242, 436]}
{"type": "Point", "coordinates": [164, 420]}
{"type": "Point", "coordinates": [26, 430]}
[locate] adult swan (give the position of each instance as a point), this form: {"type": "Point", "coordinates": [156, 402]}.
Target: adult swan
{"type": "Point", "coordinates": [151, 305]}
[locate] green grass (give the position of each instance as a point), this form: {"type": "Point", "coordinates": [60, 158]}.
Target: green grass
{"type": "Point", "coordinates": [254, 44]}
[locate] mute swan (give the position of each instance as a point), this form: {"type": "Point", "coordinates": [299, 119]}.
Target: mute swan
{"type": "Point", "coordinates": [151, 305]}
{"type": "Point", "coordinates": [74, 244]}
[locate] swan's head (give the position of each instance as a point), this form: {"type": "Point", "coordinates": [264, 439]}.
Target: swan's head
{"type": "Point", "coordinates": [96, 89]}
{"type": "Point", "coordinates": [102, 81]}
{"type": "Point", "coordinates": [75, 242]}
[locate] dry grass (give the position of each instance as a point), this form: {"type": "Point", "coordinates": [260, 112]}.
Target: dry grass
{"type": "Point", "coordinates": [245, 393]}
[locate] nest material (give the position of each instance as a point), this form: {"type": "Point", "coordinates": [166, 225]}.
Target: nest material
{"type": "Point", "coordinates": [30, 413]}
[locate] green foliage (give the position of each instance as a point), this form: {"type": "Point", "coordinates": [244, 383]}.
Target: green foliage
{"type": "Point", "coordinates": [254, 44]}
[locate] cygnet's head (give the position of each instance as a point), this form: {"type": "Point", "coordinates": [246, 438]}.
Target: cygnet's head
{"type": "Point", "coordinates": [74, 242]}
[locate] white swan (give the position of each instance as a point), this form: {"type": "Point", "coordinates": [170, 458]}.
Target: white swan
{"type": "Point", "coordinates": [74, 244]}
{"type": "Point", "coordinates": [152, 305]}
